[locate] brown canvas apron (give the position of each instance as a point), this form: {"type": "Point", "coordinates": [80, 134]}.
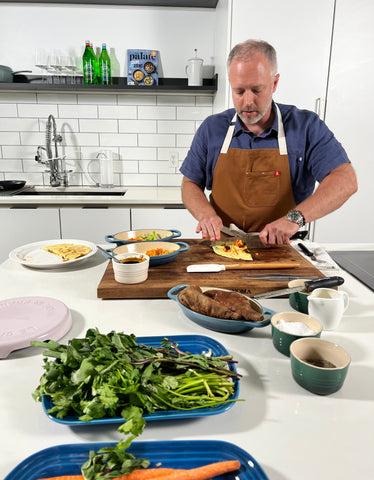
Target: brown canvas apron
{"type": "Point", "coordinates": [252, 187]}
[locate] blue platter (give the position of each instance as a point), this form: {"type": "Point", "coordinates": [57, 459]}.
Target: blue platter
{"type": "Point", "coordinates": [68, 459]}
{"type": "Point", "coordinates": [191, 343]}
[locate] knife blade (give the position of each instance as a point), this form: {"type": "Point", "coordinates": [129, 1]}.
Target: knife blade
{"type": "Point", "coordinates": [327, 282]}
{"type": "Point", "coordinates": [252, 239]}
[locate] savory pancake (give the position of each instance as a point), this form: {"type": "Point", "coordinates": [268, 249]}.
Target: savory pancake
{"type": "Point", "coordinates": [68, 251]}
{"type": "Point", "coordinates": [236, 250]}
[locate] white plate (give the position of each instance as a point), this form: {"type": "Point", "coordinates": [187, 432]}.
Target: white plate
{"type": "Point", "coordinates": [33, 256]}
{"type": "Point", "coordinates": [23, 319]}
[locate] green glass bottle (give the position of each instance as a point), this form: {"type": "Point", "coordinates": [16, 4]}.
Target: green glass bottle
{"type": "Point", "coordinates": [96, 68]}
{"type": "Point", "coordinates": [104, 66]}
{"type": "Point", "coordinates": [88, 65]}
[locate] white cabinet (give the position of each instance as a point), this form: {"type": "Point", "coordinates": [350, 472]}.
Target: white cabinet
{"type": "Point", "coordinates": [20, 226]}
{"type": "Point", "coordinates": [349, 110]}
{"type": "Point", "coordinates": [301, 34]}
{"type": "Point", "coordinates": [92, 224]}
{"type": "Point", "coordinates": [165, 218]}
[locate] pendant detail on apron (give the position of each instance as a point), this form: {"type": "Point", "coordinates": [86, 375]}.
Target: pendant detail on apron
{"type": "Point", "coordinates": [252, 187]}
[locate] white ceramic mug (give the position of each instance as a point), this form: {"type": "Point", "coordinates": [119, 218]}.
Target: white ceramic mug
{"type": "Point", "coordinates": [194, 72]}
{"type": "Point", "coordinates": [328, 306]}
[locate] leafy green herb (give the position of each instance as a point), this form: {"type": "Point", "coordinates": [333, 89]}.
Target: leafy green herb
{"type": "Point", "coordinates": [113, 375]}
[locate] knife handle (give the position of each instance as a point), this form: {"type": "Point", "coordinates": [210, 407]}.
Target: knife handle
{"type": "Point", "coordinates": [327, 282]}
{"type": "Point", "coordinates": [305, 250]}
{"type": "Point", "coordinates": [261, 266]}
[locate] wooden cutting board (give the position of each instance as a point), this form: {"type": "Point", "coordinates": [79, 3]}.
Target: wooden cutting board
{"type": "Point", "coordinates": [162, 278]}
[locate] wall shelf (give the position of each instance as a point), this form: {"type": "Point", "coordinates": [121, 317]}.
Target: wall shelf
{"type": "Point", "coordinates": [32, 83]}
{"type": "Point", "coordinates": [137, 3]}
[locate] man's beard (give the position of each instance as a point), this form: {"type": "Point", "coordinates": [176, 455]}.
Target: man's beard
{"type": "Point", "coordinates": [257, 118]}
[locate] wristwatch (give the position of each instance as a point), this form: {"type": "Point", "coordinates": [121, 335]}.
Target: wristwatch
{"type": "Point", "coordinates": [297, 217]}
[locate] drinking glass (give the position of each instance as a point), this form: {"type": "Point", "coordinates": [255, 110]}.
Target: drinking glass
{"type": "Point", "coordinates": [41, 62]}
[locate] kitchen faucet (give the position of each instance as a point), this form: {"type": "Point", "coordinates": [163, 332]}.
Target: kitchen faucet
{"type": "Point", "coordinates": [58, 174]}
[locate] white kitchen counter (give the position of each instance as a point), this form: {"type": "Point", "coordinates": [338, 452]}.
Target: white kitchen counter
{"type": "Point", "coordinates": [292, 433]}
{"type": "Point", "coordinates": [134, 197]}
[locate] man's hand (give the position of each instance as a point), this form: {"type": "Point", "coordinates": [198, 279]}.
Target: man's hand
{"type": "Point", "coordinates": [210, 227]}
{"type": "Point", "coordinates": [278, 232]}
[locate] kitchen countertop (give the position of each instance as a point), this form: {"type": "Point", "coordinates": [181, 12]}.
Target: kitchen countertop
{"type": "Point", "coordinates": [134, 197]}
{"type": "Point", "coordinates": [291, 432]}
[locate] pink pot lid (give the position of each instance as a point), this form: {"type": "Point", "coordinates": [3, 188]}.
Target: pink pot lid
{"type": "Point", "coordinates": [23, 319]}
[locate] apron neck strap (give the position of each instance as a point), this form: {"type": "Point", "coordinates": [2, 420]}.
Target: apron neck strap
{"type": "Point", "coordinates": [281, 135]}
{"type": "Point", "coordinates": [229, 134]}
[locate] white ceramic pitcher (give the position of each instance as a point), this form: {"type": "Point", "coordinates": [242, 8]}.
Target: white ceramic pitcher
{"type": "Point", "coordinates": [328, 305]}
{"type": "Point", "coordinates": [194, 71]}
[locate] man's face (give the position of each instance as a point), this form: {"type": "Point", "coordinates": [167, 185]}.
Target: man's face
{"type": "Point", "coordinates": [253, 84]}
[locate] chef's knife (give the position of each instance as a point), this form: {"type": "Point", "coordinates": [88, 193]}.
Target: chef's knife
{"type": "Point", "coordinates": [252, 239]}
{"type": "Point", "coordinates": [309, 286]}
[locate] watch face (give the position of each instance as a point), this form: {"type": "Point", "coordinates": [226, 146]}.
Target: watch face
{"type": "Point", "coordinates": [296, 216]}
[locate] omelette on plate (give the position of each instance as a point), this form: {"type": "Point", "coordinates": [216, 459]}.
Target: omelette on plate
{"type": "Point", "coordinates": [68, 251]}
{"type": "Point", "coordinates": [236, 250]}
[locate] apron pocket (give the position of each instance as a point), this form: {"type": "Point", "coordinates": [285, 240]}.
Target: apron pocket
{"type": "Point", "coordinates": [261, 189]}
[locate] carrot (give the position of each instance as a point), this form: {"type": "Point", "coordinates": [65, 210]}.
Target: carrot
{"type": "Point", "coordinates": [202, 473]}
{"type": "Point", "coordinates": [65, 477]}
{"type": "Point", "coordinates": [145, 474]}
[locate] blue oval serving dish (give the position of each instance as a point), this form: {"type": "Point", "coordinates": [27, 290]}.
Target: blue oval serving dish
{"type": "Point", "coordinates": [220, 324]}
{"type": "Point", "coordinates": [123, 238]}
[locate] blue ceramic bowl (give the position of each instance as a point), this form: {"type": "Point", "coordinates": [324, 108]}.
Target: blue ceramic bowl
{"type": "Point", "coordinates": [220, 324]}
{"type": "Point", "coordinates": [123, 238]}
{"type": "Point", "coordinates": [142, 247]}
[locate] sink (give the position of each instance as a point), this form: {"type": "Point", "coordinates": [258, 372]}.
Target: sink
{"type": "Point", "coordinates": [67, 191]}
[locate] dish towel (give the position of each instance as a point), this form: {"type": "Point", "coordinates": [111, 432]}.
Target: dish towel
{"type": "Point", "coordinates": [323, 262]}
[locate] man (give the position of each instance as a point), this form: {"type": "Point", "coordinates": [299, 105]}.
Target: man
{"type": "Point", "coordinates": [261, 161]}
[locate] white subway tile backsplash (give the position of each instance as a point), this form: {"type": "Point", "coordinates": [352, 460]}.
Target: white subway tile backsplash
{"type": "Point", "coordinates": [81, 139]}
{"type": "Point", "coordinates": [120, 140]}
{"type": "Point", "coordinates": [139, 180]}
{"type": "Point", "coordinates": [143, 130]}
{"type": "Point", "coordinates": [19, 125]}
{"type": "Point", "coordinates": [171, 126]}
{"type": "Point", "coordinates": [10, 138]}
{"type": "Point", "coordinates": [97, 99]}
{"type": "Point", "coordinates": [155, 167]}
{"type": "Point", "coordinates": [137, 99]}
{"type": "Point", "coordinates": [138, 126]}
{"type": "Point", "coordinates": [160, 140]}
{"type": "Point", "coordinates": [8, 110]}
{"type": "Point", "coordinates": [38, 110]}
{"type": "Point", "coordinates": [193, 113]}
{"type": "Point", "coordinates": [59, 98]}
{"type": "Point", "coordinates": [20, 151]}
{"type": "Point", "coordinates": [77, 111]}
{"type": "Point", "coordinates": [86, 125]}
{"type": "Point", "coordinates": [165, 153]}
{"type": "Point", "coordinates": [156, 112]}
{"type": "Point", "coordinates": [17, 97]}
{"type": "Point", "coordinates": [138, 153]}
{"type": "Point", "coordinates": [175, 100]}
{"type": "Point", "coordinates": [10, 165]}
{"type": "Point", "coordinates": [117, 111]}
{"type": "Point", "coordinates": [171, 180]}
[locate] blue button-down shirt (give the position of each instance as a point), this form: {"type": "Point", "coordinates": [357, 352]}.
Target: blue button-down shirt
{"type": "Point", "coordinates": [313, 151]}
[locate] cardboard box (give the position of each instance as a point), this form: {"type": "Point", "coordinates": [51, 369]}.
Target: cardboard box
{"type": "Point", "coordinates": [142, 67]}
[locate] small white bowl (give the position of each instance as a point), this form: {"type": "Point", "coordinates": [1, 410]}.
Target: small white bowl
{"type": "Point", "coordinates": [135, 271]}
